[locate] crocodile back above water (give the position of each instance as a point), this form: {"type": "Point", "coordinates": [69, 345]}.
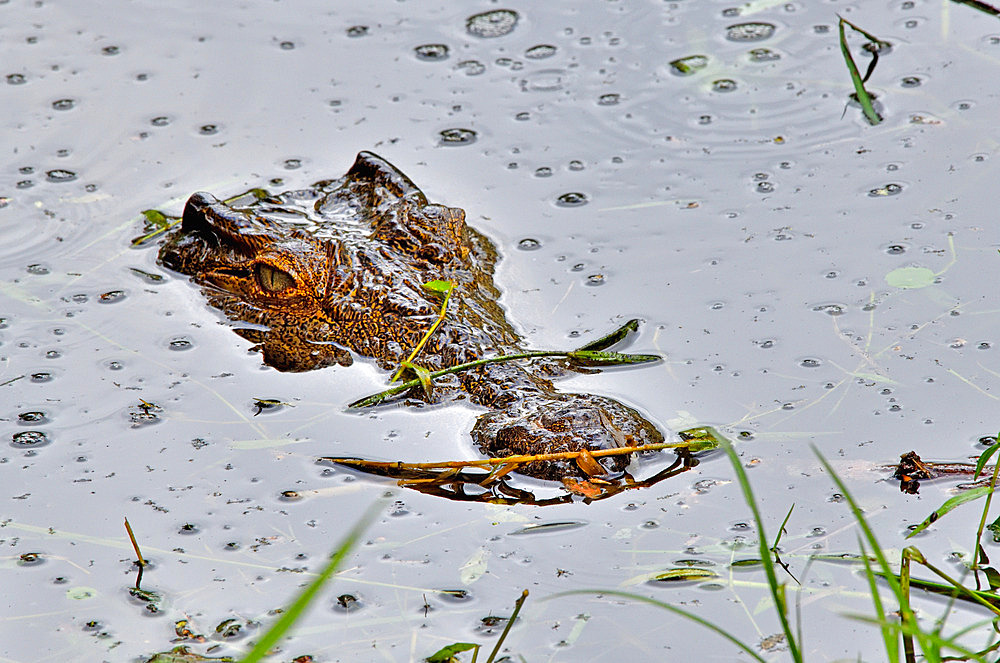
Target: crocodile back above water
{"type": "Point", "coordinates": [312, 275]}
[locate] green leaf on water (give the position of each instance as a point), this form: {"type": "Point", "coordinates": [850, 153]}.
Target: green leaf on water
{"type": "Point", "coordinates": [983, 458]}
{"type": "Point", "coordinates": [439, 287]}
{"type": "Point", "coordinates": [949, 505]}
{"type": "Point", "coordinates": [156, 218]}
{"type": "Point", "coordinates": [910, 277]}
{"type": "Point", "coordinates": [995, 528]}
{"type": "Point", "coordinates": [688, 65]}
{"type": "Point", "coordinates": [447, 654]}
{"type": "Point", "coordinates": [593, 357]}
{"type": "Point", "coordinates": [701, 438]}
{"type": "Point", "coordinates": [422, 374]}
{"type": "Point", "coordinates": [740, 563]}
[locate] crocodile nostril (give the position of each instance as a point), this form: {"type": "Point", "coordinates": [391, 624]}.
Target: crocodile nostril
{"type": "Point", "coordinates": [194, 211]}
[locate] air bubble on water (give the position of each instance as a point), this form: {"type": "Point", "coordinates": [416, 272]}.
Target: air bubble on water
{"type": "Point", "coordinates": [540, 51]}
{"type": "Point", "coordinates": [472, 67]}
{"type": "Point", "coordinates": [29, 439]}
{"type": "Point", "coordinates": [432, 52]}
{"type": "Point", "coordinates": [488, 25]}
{"type": "Point", "coordinates": [571, 199]}
{"type": "Point", "coordinates": [457, 136]}
{"type": "Point", "coordinates": [60, 175]}
{"type": "Point", "coordinates": [750, 31]}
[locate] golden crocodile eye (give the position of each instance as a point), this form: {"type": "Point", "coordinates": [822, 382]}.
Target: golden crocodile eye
{"type": "Point", "coordinates": [271, 279]}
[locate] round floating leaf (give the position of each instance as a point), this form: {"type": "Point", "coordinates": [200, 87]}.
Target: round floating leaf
{"type": "Point", "coordinates": [81, 593]}
{"type": "Point", "coordinates": [910, 277]}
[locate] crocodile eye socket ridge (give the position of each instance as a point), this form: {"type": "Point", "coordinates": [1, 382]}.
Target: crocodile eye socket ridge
{"type": "Point", "coordinates": [271, 279]}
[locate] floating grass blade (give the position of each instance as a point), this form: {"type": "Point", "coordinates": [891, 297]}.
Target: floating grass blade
{"type": "Point", "coordinates": [595, 358]}
{"type": "Point", "coordinates": [617, 336]}
{"type": "Point", "coordinates": [294, 612]}
{"type": "Point", "coordinates": [864, 98]}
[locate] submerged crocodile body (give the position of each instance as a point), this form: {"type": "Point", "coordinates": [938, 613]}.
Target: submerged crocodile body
{"type": "Point", "coordinates": [313, 275]}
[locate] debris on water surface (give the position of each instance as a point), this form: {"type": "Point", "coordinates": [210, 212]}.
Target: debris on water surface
{"type": "Point", "coordinates": [183, 654]}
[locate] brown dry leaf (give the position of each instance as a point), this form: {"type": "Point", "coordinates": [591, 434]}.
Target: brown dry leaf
{"type": "Point", "coordinates": [586, 462]}
{"type": "Point", "coordinates": [583, 488]}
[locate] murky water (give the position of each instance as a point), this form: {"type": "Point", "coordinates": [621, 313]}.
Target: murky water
{"type": "Point", "coordinates": [741, 210]}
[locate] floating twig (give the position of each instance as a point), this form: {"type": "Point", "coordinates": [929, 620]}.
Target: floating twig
{"type": "Point", "coordinates": [139, 558]}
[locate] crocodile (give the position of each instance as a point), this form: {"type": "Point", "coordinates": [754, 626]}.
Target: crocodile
{"type": "Point", "coordinates": [317, 275]}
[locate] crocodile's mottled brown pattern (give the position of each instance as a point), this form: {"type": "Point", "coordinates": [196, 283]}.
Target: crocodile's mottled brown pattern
{"type": "Point", "coordinates": [319, 273]}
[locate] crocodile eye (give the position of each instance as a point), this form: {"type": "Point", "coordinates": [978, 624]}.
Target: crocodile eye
{"type": "Point", "coordinates": [271, 279]}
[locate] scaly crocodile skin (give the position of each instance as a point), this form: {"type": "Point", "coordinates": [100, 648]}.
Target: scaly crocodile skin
{"type": "Point", "coordinates": [319, 273]}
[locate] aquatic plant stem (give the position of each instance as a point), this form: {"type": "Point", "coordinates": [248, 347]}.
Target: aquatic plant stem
{"type": "Point", "coordinates": [859, 86]}
{"type": "Point", "coordinates": [777, 590]}
{"type": "Point", "coordinates": [986, 508]}
{"type": "Point", "coordinates": [610, 358]}
{"type": "Point", "coordinates": [510, 622]}
{"type": "Point", "coordinates": [139, 558]}
{"type": "Point", "coordinates": [437, 323]}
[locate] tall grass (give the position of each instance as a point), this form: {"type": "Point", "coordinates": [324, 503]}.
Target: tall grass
{"type": "Point", "coordinates": [903, 637]}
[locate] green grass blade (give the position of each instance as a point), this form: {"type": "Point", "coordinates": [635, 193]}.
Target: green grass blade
{"type": "Point", "coordinates": [617, 336]}
{"type": "Point", "coordinates": [890, 638]}
{"type": "Point", "coordinates": [777, 591]}
{"type": "Point", "coordinates": [596, 358]}
{"type": "Point", "coordinates": [949, 505]}
{"type": "Point", "coordinates": [294, 612]}
{"type": "Point", "coordinates": [859, 87]}
{"type": "Point", "coordinates": [748, 649]}
{"type": "Point", "coordinates": [984, 458]}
